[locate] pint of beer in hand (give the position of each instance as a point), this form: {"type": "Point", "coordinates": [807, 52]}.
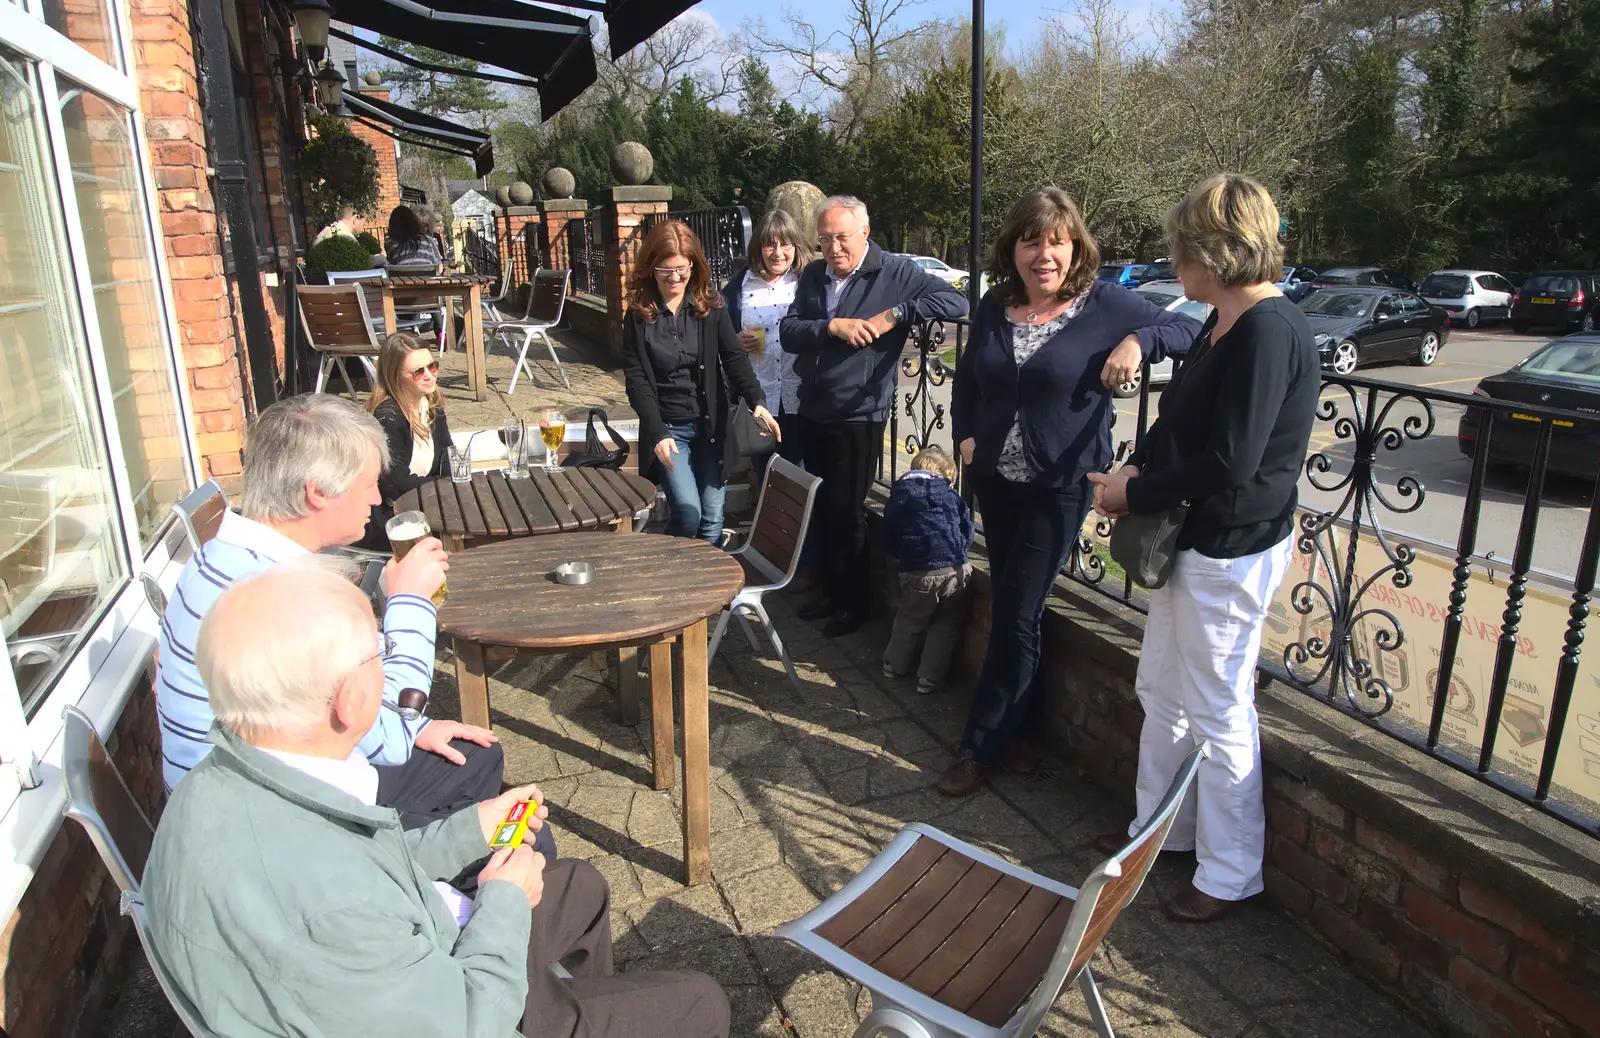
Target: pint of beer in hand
{"type": "Point", "coordinates": [405, 529]}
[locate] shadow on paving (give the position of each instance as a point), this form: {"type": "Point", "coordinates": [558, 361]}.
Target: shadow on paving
{"type": "Point", "coordinates": [803, 795]}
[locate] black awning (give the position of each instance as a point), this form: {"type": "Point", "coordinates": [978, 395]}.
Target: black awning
{"type": "Point", "coordinates": [552, 48]}
{"type": "Point", "coordinates": [631, 22]}
{"type": "Point", "coordinates": [410, 126]}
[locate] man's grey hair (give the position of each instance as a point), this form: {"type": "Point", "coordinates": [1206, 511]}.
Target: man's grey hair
{"type": "Point", "coordinates": [315, 437]}
{"type": "Point", "coordinates": [850, 202]}
{"type": "Point", "coordinates": [280, 677]}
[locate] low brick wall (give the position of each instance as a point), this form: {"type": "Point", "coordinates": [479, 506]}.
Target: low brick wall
{"type": "Point", "coordinates": [1481, 915]}
{"type": "Point", "coordinates": [64, 946]}
{"type": "Point", "coordinates": [587, 316]}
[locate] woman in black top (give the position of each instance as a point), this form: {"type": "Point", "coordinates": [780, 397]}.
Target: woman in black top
{"type": "Point", "coordinates": [684, 369]}
{"type": "Point", "coordinates": [1230, 441]}
{"type": "Point", "coordinates": [406, 403]}
{"type": "Point", "coordinates": [1032, 411]}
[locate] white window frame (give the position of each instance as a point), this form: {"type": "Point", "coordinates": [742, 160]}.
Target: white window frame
{"type": "Point", "coordinates": [116, 656]}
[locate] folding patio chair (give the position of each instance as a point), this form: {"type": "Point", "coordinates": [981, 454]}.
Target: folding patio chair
{"type": "Point", "coordinates": [337, 324]}
{"type": "Point", "coordinates": [99, 800]}
{"type": "Point", "coordinates": [771, 554]}
{"type": "Point", "coordinates": [547, 298]}
{"type": "Point", "coordinates": [953, 941]}
{"type": "Point", "coordinates": [200, 512]}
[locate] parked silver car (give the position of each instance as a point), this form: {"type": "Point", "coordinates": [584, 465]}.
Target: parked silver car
{"type": "Point", "coordinates": [1168, 295]}
{"type": "Point", "coordinates": [1469, 297]}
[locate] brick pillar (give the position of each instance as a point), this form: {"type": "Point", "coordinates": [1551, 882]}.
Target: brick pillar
{"type": "Point", "coordinates": [556, 214]}
{"type": "Point", "coordinates": [626, 209]}
{"type": "Point", "coordinates": [512, 249]}
{"type": "Point", "coordinates": [388, 150]}
{"type": "Point", "coordinates": [169, 95]}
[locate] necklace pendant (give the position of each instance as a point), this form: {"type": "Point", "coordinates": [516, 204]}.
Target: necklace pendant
{"type": "Point", "coordinates": [1033, 317]}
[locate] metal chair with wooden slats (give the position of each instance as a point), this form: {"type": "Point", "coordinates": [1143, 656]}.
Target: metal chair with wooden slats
{"type": "Point", "coordinates": [953, 941]}
{"type": "Point", "coordinates": [371, 282]}
{"type": "Point", "coordinates": [99, 800]}
{"type": "Point", "coordinates": [771, 554]}
{"type": "Point", "coordinates": [547, 300]}
{"type": "Point", "coordinates": [337, 324]}
{"type": "Point", "coordinates": [200, 512]}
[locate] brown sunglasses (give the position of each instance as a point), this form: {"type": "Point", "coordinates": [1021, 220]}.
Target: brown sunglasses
{"type": "Point", "coordinates": [415, 373]}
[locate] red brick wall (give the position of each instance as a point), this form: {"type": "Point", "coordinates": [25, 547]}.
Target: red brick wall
{"type": "Point", "coordinates": [624, 237]}
{"type": "Point", "coordinates": [64, 943]}
{"type": "Point", "coordinates": [388, 171]}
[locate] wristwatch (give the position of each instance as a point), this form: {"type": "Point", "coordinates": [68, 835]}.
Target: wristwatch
{"type": "Point", "coordinates": [898, 314]}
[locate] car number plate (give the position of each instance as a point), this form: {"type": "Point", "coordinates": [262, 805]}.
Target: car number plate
{"type": "Point", "coordinates": [1543, 299]}
{"type": "Point", "coordinates": [1530, 418]}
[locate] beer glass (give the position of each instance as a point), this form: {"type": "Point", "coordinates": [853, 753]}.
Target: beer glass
{"type": "Point", "coordinates": [553, 431]}
{"type": "Point", "coordinates": [405, 529]}
{"type": "Point", "coordinates": [755, 327]}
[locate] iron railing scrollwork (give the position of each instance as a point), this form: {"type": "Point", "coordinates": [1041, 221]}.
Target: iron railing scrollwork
{"type": "Point", "coordinates": [1355, 627]}
{"type": "Point", "coordinates": [724, 234]}
{"type": "Point", "coordinates": [480, 253]}
{"type": "Point", "coordinates": [586, 252]}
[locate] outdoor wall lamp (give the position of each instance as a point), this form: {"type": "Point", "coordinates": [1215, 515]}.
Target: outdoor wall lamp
{"type": "Point", "coordinates": [330, 87]}
{"type": "Point", "coordinates": [311, 20]}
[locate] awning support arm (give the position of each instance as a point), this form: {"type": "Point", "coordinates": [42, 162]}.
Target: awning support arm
{"type": "Point", "coordinates": [405, 59]}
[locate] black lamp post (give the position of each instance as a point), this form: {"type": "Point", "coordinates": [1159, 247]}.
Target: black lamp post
{"type": "Point", "coordinates": [330, 88]}
{"type": "Point", "coordinates": [311, 20]}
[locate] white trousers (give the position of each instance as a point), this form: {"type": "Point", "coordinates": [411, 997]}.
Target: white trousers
{"type": "Point", "coordinates": [1197, 682]}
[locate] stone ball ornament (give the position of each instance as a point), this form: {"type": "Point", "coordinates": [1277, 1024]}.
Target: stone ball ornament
{"type": "Point", "coordinates": [521, 193]}
{"type": "Point", "coordinates": [559, 182]}
{"type": "Point", "coordinates": [502, 196]}
{"type": "Point", "coordinates": [799, 199]}
{"type": "Point", "coordinates": [632, 163]}
{"type": "Point", "coordinates": [373, 78]}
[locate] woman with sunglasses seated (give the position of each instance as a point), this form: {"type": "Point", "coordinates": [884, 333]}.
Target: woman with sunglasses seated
{"type": "Point", "coordinates": [406, 403]}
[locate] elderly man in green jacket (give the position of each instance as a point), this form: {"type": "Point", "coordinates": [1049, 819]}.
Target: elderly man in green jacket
{"type": "Point", "coordinates": [285, 902]}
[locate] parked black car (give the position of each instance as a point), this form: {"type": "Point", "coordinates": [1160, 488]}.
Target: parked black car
{"type": "Point", "coordinates": [1567, 299]}
{"type": "Point", "coordinates": [1565, 374]}
{"type": "Point", "coordinates": [1357, 326]}
{"type": "Point", "coordinates": [1378, 277]}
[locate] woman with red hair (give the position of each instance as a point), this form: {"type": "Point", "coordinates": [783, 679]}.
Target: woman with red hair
{"type": "Point", "coordinates": [685, 370]}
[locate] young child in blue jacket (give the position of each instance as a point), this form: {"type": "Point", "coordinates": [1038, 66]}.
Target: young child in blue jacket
{"type": "Point", "coordinates": [927, 530]}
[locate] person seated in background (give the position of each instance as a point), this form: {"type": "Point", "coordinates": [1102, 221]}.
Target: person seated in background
{"type": "Point", "coordinates": [311, 469]}
{"type": "Point", "coordinates": [347, 223]}
{"type": "Point", "coordinates": [927, 530]}
{"type": "Point", "coordinates": [407, 403]}
{"type": "Point", "coordinates": [283, 900]}
{"type": "Point", "coordinates": [408, 243]}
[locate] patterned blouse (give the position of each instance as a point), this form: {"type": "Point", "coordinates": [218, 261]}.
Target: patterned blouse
{"type": "Point", "coordinates": [1025, 342]}
{"type": "Point", "coordinates": [767, 303]}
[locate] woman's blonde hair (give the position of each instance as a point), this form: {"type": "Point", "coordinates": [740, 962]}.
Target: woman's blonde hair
{"type": "Point", "coordinates": [395, 383]}
{"type": "Point", "coordinates": [778, 226]}
{"type": "Point", "coordinates": [1034, 215]}
{"type": "Point", "coordinates": [934, 459]}
{"type": "Point", "coordinates": [1229, 225]}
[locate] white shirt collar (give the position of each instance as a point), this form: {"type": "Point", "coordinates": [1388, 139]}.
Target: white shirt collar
{"type": "Point", "coordinates": [257, 537]}
{"type": "Point", "coordinates": [354, 775]}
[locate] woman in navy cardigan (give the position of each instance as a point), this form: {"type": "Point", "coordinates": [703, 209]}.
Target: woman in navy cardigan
{"type": "Point", "coordinates": [1032, 413]}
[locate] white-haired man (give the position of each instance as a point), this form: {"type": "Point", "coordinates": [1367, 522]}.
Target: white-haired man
{"type": "Point", "coordinates": [852, 312]}
{"type": "Point", "coordinates": [284, 901]}
{"type": "Point", "coordinates": [311, 470]}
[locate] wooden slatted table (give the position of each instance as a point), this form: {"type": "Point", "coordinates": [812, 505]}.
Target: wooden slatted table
{"type": "Point", "coordinates": [492, 507]}
{"type": "Point", "coordinates": [649, 590]}
{"type": "Point", "coordinates": [417, 289]}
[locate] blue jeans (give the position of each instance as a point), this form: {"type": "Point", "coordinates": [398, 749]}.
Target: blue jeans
{"type": "Point", "coordinates": [694, 485]}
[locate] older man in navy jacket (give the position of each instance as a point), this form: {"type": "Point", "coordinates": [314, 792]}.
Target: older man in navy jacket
{"type": "Point", "coordinates": [848, 325]}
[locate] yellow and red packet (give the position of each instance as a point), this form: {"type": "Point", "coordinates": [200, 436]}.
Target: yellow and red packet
{"type": "Point", "coordinates": [510, 833]}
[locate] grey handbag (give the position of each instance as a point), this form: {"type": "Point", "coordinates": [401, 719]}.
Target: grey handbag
{"type": "Point", "coordinates": [1145, 546]}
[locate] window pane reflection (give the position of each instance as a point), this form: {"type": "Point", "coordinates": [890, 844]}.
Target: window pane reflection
{"type": "Point", "coordinates": [87, 23]}
{"type": "Point", "coordinates": [117, 240]}
{"type": "Point", "coordinates": [60, 549]}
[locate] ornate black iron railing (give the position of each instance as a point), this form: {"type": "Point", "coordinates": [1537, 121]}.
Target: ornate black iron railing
{"type": "Point", "coordinates": [1413, 638]}
{"type": "Point", "coordinates": [480, 253]}
{"type": "Point", "coordinates": [724, 234]}
{"type": "Point", "coordinates": [586, 252]}
{"type": "Point", "coordinates": [532, 258]}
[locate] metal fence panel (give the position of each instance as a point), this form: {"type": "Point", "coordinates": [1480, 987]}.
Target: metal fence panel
{"type": "Point", "coordinates": [724, 234]}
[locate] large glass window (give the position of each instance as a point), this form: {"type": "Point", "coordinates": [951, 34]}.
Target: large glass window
{"type": "Point", "coordinates": [88, 23]}
{"type": "Point", "coordinates": [60, 540]}
{"type": "Point", "coordinates": [116, 233]}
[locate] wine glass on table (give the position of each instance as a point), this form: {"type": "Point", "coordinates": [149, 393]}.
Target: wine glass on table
{"type": "Point", "coordinates": [553, 431]}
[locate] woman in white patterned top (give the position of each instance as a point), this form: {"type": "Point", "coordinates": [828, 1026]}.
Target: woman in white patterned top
{"type": "Point", "coordinates": [757, 297]}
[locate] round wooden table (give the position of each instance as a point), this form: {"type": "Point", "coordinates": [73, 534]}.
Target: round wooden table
{"type": "Point", "coordinates": [493, 507]}
{"type": "Point", "coordinates": [648, 590]}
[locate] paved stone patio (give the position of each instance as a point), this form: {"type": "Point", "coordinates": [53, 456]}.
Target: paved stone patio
{"type": "Point", "coordinates": [592, 386]}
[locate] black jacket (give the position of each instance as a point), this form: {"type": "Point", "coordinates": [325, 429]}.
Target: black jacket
{"type": "Point", "coordinates": [1066, 411]}
{"type": "Point", "coordinates": [926, 525]}
{"type": "Point", "coordinates": [397, 478]}
{"type": "Point", "coordinates": [1233, 433]}
{"type": "Point", "coordinates": [839, 383]}
{"type": "Point", "coordinates": [724, 370]}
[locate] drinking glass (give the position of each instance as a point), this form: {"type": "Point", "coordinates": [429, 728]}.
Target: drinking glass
{"type": "Point", "coordinates": [460, 465]}
{"type": "Point", "coordinates": [516, 449]}
{"type": "Point", "coordinates": [405, 529]}
{"type": "Point", "coordinates": [756, 328]}
{"type": "Point", "coordinates": [553, 431]}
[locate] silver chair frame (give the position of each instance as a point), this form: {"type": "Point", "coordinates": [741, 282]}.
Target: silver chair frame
{"type": "Point", "coordinates": [410, 323]}
{"type": "Point", "coordinates": [327, 358]}
{"type": "Point", "coordinates": [747, 605]}
{"type": "Point", "coordinates": [531, 327]}
{"type": "Point", "coordinates": [185, 508]}
{"type": "Point", "coordinates": [904, 1012]}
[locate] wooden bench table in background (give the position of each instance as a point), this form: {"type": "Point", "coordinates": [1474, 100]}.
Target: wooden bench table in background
{"type": "Point", "coordinates": [491, 507]}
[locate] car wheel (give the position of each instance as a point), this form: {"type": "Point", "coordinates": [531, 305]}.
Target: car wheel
{"type": "Point", "coordinates": [1346, 356]}
{"type": "Point", "coordinates": [1474, 318]}
{"type": "Point", "coordinates": [1127, 389]}
{"type": "Point", "coordinates": [1520, 327]}
{"type": "Point", "coordinates": [1428, 352]}
{"type": "Point", "coordinates": [1587, 324]}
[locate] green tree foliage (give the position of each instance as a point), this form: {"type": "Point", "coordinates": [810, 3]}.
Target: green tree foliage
{"type": "Point", "coordinates": [448, 94]}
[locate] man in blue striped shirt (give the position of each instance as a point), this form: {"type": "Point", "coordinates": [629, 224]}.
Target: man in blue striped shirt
{"type": "Point", "coordinates": [310, 479]}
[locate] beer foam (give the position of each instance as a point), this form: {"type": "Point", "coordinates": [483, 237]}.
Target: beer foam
{"type": "Point", "coordinates": [408, 531]}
